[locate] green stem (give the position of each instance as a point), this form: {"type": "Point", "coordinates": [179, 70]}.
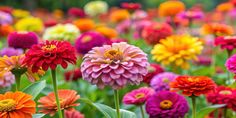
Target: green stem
{"type": "Point", "coordinates": [17, 78]}
{"type": "Point", "coordinates": [228, 80]}
{"type": "Point", "coordinates": [225, 112]}
{"type": "Point", "coordinates": [142, 111]}
{"type": "Point", "coordinates": [116, 98]}
{"type": "Point", "coordinates": [54, 80]}
{"type": "Point", "coordinates": [194, 106]}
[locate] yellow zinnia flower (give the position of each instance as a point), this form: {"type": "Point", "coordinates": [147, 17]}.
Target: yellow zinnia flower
{"type": "Point", "coordinates": [176, 50]}
{"type": "Point", "coordinates": [19, 13]}
{"type": "Point", "coordinates": [29, 24]}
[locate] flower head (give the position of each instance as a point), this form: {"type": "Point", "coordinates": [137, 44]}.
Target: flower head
{"type": "Point", "coordinates": [22, 39]}
{"type": "Point", "coordinates": [5, 18]}
{"type": "Point", "coordinates": [231, 64]}
{"type": "Point", "coordinates": [50, 54]}
{"type": "Point", "coordinates": [6, 79]}
{"type": "Point", "coordinates": [76, 12]}
{"type": "Point", "coordinates": [171, 8]}
{"type": "Point", "coordinates": [165, 104]}
{"type": "Point", "coordinates": [5, 30]}
{"type": "Point", "coordinates": [193, 85]}
{"type": "Point", "coordinates": [29, 24]}
{"type": "Point", "coordinates": [153, 70]}
{"type": "Point", "coordinates": [114, 65]}
{"type": "Point", "coordinates": [225, 7]}
{"type": "Point", "coordinates": [177, 50]}
{"type": "Point", "coordinates": [119, 15]}
{"type": "Point", "coordinates": [73, 114]}
{"type": "Point", "coordinates": [107, 32]}
{"type": "Point", "coordinates": [16, 105]}
{"type": "Point", "coordinates": [84, 24]}
{"type": "Point", "coordinates": [11, 52]}
{"type": "Point", "coordinates": [161, 81]}
{"type": "Point", "coordinates": [217, 29]}
{"type": "Point", "coordinates": [73, 75]}
{"type": "Point", "coordinates": [68, 98]}
{"type": "Point", "coordinates": [138, 96]}
{"type": "Point", "coordinates": [131, 6]}
{"type": "Point", "coordinates": [191, 15]}
{"type": "Point", "coordinates": [19, 13]}
{"type": "Point", "coordinates": [226, 42]}
{"type": "Point", "coordinates": [94, 8]}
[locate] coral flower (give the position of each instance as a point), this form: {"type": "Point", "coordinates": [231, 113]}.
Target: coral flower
{"type": "Point", "coordinates": [153, 70]}
{"type": "Point", "coordinates": [138, 96]}
{"type": "Point", "coordinates": [225, 7]}
{"type": "Point", "coordinates": [193, 85]}
{"type": "Point", "coordinates": [223, 95]}
{"type": "Point", "coordinates": [84, 24]}
{"type": "Point", "coordinates": [5, 30]}
{"type": "Point", "coordinates": [73, 114]}
{"type": "Point", "coordinates": [16, 105]}
{"type": "Point", "coordinates": [153, 33]}
{"type": "Point", "coordinates": [107, 32]}
{"type": "Point", "coordinates": [119, 15]}
{"type": "Point", "coordinates": [73, 75]}
{"type": "Point", "coordinates": [171, 8]}
{"type": "Point", "coordinates": [166, 104]}
{"type": "Point", "coordinates": [50, 54]}
{"type": "Point", "coordinates": [217, 29]}
{"type": "Point", "coordinates": [226, 42]}
{"type": "Point", "coordinates": [29, 24]}
{"type": "Point", "coordinates": [114, 65]}
{"type": "Point", "coordinates": [177, 50]}
{"type": "Point", "coordinates": [68, 98]}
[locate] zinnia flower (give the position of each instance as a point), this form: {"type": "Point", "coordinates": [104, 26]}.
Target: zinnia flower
{"type": "Point", "coordinates": [226, 42]}
{"type": "Point", "coordinates": [217, 29]}
{"type": "Point", "coordinates": [6, 79]}
{"type": "Point", "coordinates": [223, 95]}
{"type": "Point", "coordinates": [114, 65]}
{"type": "Point", "coordinates": [88, 40]}
{"type": "Point", "coordinates": [22, 39]}
{"type": "Point", "coordinates": [153, 70]}
{"type": "Point", "coordinates": [68, 98]}
{"type": "Point", "coordinates": [50, 54]}
{"type": "Point", "coordinates": [95, 8]}
{"type": "Point", "coordinates": [67, 32]}
{"type": "Point", "coordinates": [177, 50]}
{"type": "Point", "coordinates": [73, 75]}
{"type": "Point", "coordinates": [73, 114]}
{"type": "Point", "coordinates": [107, 32]}
{"type": "Point", "coordinates": [154, 32]}
{"type": "Point", "coordinates": [16, 105]}
{"type": "Point", "coordinates": [191, 15]}
{"type": "Point", "coordinates": [84, 24]}
{"type": "Point", "coordinates": [119, 15]}
{"type": "Point", "coordinates": [166, 104]}
{"type": "Point", "coordinates": [19, 13]}
{"type": "Point", "coordinates": [131, 6]}
{"type": "Point", "coordinates": [29, 24]}
{"type": "Point", "coordinates": [5, 30]}
{"type": "Point", "coordinates": [138, 96]}
{"type": "Point", "coordinates": [225, 7]}
{"type": "Point", "coordinates": [5, 18]}
{"type": "Point", "coordinates": [11, 52]}
{"type": "Point", "coordinates": [76, 12]}
{"type": "Point", "coordinates": [231, 64]}
{"type": "Point", "coordinates": [161, 81]}
{"type": "Point", "coordinates": [193, 85]}
{"type": "Point", "coordinates": [171, 8]}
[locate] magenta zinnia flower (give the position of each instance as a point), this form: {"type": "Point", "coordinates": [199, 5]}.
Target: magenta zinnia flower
{"type": "Point", "coordinates": [227, 42]}
{"type": "Point", "coordinates": [231, 64]}
{"type": "Point", "coordinates": [138, 96]}
{"type": "Point", "coordinates": [166, 104]}
{"type": "Point", "coordinates": [114, 65]}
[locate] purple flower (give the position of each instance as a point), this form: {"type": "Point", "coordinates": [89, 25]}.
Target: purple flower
{"type": "Point", "coordinates": [232, 14]}
{"type": "Point", "coordinates": [166, 104]}
{"type": "Point", "coordinates": [124, 27]}
{"type": "Point", "coordinates": [161, 81]}
{"type": "Point", "coordinates": [88, 40]}
{"type": "Point", "coordinates": [5, 18]}
{"type": "Point", "coordinates": [191, 15]}
{"type": "Point", "coordinates": [7, 80]}
{"type": "Point", "coordinates": [11, 52]}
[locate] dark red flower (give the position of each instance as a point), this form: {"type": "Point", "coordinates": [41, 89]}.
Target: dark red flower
{"type": "Point", "coordinates": [226, 42]}
{"type": "Point", "coordinates": [131, 6]}
{"type": "Point", "coordinates": [153, 70]}
{"type": "Point", "coordinates": [76, 12]}
{"type": "Point", "coordinates": [50, 22]}
{"type": "Point", "coordinates": [73, 75]}
{"type": "Point", "coordinates": [50, 54]}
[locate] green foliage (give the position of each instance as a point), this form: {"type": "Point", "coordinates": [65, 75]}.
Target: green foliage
{"type": "Point", "coordinates": [205, 111]}
{"type": "Point", "coordinates": [35, 88]}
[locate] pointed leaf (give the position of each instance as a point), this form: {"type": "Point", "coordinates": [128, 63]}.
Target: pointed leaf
{"type": "Point", "coordinates": [205, 111]}
{"type": "Point", "coordinates": [39, 115]}
{"type": "Point", "coordinates": [35, 88]}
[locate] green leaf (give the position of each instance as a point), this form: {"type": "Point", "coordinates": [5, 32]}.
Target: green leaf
{"type": "Point", "coordinates": [109, 112]}
{"type": "Point", "coordinates": [205, 111]}
{"type": "Point", "coordinates": [35, 88]}
{"type": "Point", "coordinates": [39, 115]}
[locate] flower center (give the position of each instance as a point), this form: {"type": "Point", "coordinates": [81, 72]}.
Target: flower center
{"type": "Point", "coordinates": [49, 47]}
{"type": "Point", "coordinates": [22, 32]}
{"type": "Point", "coordinates": [139, 95]}
{"type": "Point", "coordinates": [191, 79]}
{"type": "Point", "coordinates": [113, 54]}
{"type": "Point", "coordinates": [166, 104]}
{"type": "Point", "coordinates": [225, 92]}
{"type": "Point", "coordinates": [7, 105]}
{"type": "Point", "coordinates": [86, 39]}
{"type": "Point", "coordinates": [165, 80]}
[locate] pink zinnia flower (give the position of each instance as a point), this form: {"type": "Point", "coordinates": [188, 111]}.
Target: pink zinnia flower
{"type": "Point", "coordinates": [114, 65]}
{"type": "Point", "coordinates": [73, 114]}
{"type": "Point", "coordinates": [226, 42]}
{"type": "Point", "coordinates": [231, 64]}
{"type": "Point", "coordinates": [138, 96]}
{"type": "Point", "coordinates": [7, 79]}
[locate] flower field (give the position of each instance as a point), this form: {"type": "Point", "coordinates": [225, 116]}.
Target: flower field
{"type": "Point", "coordinates": [119, 61]}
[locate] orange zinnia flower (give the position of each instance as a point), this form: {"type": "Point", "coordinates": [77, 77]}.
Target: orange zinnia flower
{"type": "Point", "coordinates": [16, 105]}
{"type": "Point", "coordinates": [107, 32]}
{"type": "Point", "coordinates": [5, 30]}
{"type": "Point", "coordinates": [67, 100]}
{"type": "Point", "coordinates": [119, 15]}
{"type": "Point", "coordinates": [225, 7]}
{"type": "Point", "coordinates": [171, 8]}
{"type": "Point", "coordinates": [217, 29]}
{"type": "Point", "coordinates": [193, 85]}
{"type": "Point", "coordinates": [84, 24]}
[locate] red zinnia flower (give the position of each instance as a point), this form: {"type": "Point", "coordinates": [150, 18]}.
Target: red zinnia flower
{"type": "Point", "coordinates": [131, 6]}
{"type": "Point", "coordinates": [50, 54]}
{"type": "Point", "coordinates": [153, 70]}
{"type": "Point", "coordinates": [226, 42]}
{"type": "Point", "coordinates": [73, 75]}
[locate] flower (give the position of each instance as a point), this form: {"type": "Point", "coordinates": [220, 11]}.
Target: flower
{"type": "Point", "coordinates": [226, 42]}
{"type": "Point", "coordinates": [231, 64]}
{"type": "Point", "coordinates": [50, 54]}
{"type": "Point", "coordinates": [154, 32]}
{"type": "Point", "coordinates": [138, 96]}
{"type": "Point", "coordinates": [171, 8]}
{"type": "Point", "coordinates": [29, 24]}
{"type": "Point", "coordinates": [225, 7]}
{"type": "Point", "coordinates": [165, 104]}
{"type": "Point", "coordinates": [16, 105]}
{"type": "Point", "coordinates": [217, 29]}
{"type": "Point", "coordinates": [11, 52]}
{"type": "Point", "coordinates": [107, 32]}
{"type": "Point", "coordinates": [139, 26]}
{"type": "Point", "coordinates": [84, 24]}
{"type": "Point", "coordinates": [6, 80]}
{"type": "Point", "coordinates": [19, 13]}
{"type": "Point", "coordinates": [124, 26]}
{"type": "Point", "coordinates": [6, 9]}
{"type": "Point", "coordinates": [193, 85]}
{"type": "Point", "coordinates": [153, 70]}
{"type": "Point", "coordinates": [204, 60]}
{"type": "Point", "coordinates": [68, 98]}
{"type": "Point", "coordinates": [223, 95]}
{"type": "Point", "coordinates": [73, 114]}
{"type": "Point", "coordinates": [67, 32]}
{"type": "Point", "coordinates": [73, 75]}
{"type": "Point", "coordinates": [95, 8]}
{"type": "Point", "coordinates": [22, 39]}
{"type": "Point", "coordinates": [139, 15]}
{"type": "Point", "coordinates": [5, 30]}
{"type": "Point", "coordinates": [114, 65]}
{"type": "Point", "coordinates": [177, 50]}
{"type": "Point", "coordinates": [76, 12]}
{"type": "Point", "coordinates": [119, 15]}
{"type": "Point", "coordinates": [161, 81]}
{"type": "Point", "coordinates": [191, 15]}
{"type": "Point", "coordinates": [88, 40]}
{"type": "Point", "coordinates": [131, 6]}
{"type": "Point", "coordinates": [5, 18]}
{"type": "Point", "coordinates": [50, 22]}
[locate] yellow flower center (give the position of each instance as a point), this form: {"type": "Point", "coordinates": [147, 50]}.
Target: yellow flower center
{"type": "Point", "coordinates": [225, 92]}
{"type": "Point", "coordinates": [7, 105]}
{"type": "Point", "coordinates": [86, 39]}
{"type": "Point", "coordinates": [49, 47]}
{"type": "Point", "coordinates": [113, 54]}
{"type": "Point", "coordinates": [166, 104]}
{"type": "Point", "coordinates": [22, 32]}
{"type": "Point", "coordinates": [166, 80]}
{"type": "Point", "coordinates": [193, 79]}
{"type": "Point", "coordinates": [139, 95]}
